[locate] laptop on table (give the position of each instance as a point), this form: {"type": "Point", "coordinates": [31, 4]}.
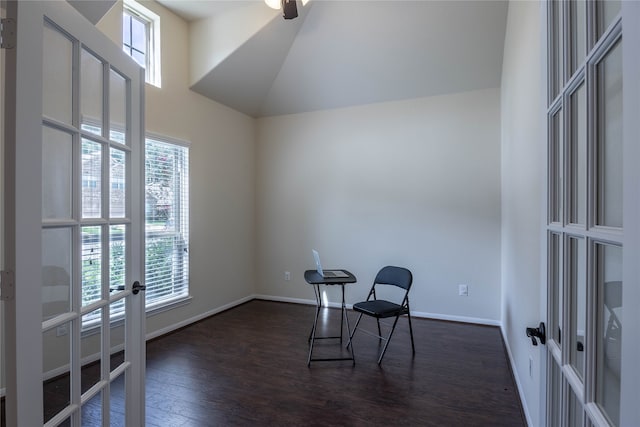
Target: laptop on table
{"type": "Point", "coordinates": [326, 274]}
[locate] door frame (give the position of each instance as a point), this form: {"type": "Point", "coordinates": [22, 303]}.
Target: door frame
{"type": "Point", "coordinates": [544, 209]}
{"type": "Point", "coordinates": [630, 381]}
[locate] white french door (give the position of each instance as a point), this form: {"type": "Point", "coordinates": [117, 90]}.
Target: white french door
{"type": "Point", "coordinates": [73, 223]}
{"type": "Point", "coordinates": [593, 220]}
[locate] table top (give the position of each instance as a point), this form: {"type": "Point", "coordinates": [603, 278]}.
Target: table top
{"type": "Point", "coordinates": [313, 278]}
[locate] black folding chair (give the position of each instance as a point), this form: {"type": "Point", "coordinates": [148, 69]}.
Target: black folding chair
{"type": "Point", "coordinates": [381, 309]}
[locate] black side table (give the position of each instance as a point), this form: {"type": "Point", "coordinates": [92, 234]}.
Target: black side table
{"type": "Point", "coordinates": [313, 278]}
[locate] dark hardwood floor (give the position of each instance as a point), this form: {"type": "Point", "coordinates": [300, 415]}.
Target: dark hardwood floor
{"type": "Point", "coordinates": [248, 366]}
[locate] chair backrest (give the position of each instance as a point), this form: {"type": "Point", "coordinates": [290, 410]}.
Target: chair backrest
{"type": "Point", "coordinates": [397, 276]}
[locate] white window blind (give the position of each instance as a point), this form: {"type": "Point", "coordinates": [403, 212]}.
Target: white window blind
{"type": "Point", "coordinates": [167, 221]}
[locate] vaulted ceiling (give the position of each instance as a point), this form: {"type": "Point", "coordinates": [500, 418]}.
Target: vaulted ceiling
{"type": "Point", "coordinates": [340, 53]}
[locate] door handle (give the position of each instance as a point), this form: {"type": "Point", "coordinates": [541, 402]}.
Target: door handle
{"type": "Point", "coordinates": [539, 333]}
{"type": "Point", "coordinates": [137, 287]}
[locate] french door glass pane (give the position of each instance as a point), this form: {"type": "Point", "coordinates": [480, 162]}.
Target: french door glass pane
{"type": "Point", "coordinates": [117, 195]}
{"type": "Point", "coordinates": [57, 147]}
{"type": "Point", "coordinates": [609, 139]}
{"type": "Point", "coordinates": [91, 264]}
{"type": "Point", "coordinates": [117, 410]}
{"type": "Point", "coordinates": [118, 107]}
{"type": "Point", "coordinates": [92, 411]}
{"type": "Point", "coordinates": [555, 62]}
{"type": "Point", "coordinates": [57, 380]}
{"type": "Point", "coordinates": [609, 321]}
{"type": "Point", "coordinates": [578, 33]}
{"type": "Point", "coordinates": [91, 179]}
{"type": "Point", "coordinates": [116, 311]}
{"type": "Point", "coordinates": [606, 12]}
{"type": "Point", "coordinates": [555, 394]}
{"type": "Point", "coordinates": [91, 80]}
{"type": "Point", "coordinates": [555, 286]}
{"type": "Point", "coordinates": [578, 156]}
{"type": "Point", "coordinates": [577, 258]}
{"type": "Point", "coordinates": [57, 92]}
{"type": "Point", "coordinates": [117, 339]}
{"type": "Point", "coordinates": [117, 256]}
{"type": "Point", "coordinates": [575, 410]}
{"type": "Point", "coordinates": [556, 171]}
{"type": "Point", "coordinates": [90, 347]}
{"type": "Point", "coordinates": [56, 271]}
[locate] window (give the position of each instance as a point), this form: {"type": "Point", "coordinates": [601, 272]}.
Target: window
{"type": "Point", "coordinates": [141, 39]}
{"type": "Point", "coordinates": [167, 221]}
{"type": "Point", "coordinates": [166, 231]}
{"type": "Point", "coordinates": [134, 37]}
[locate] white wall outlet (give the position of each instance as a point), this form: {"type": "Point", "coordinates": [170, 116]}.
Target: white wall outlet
{"type": "Point", "coordinates": [62, 330]}
{"type": "Point", "coordinates": [463, 290]}
{"type": "Point", "coordinates": [287, 276]}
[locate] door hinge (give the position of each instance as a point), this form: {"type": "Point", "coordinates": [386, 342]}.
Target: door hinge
{"type": "Point", "coordinates": [7, 285]}
{"type": "Point", "coordinates": [7, 33]}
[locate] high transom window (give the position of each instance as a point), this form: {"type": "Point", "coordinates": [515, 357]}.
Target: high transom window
{"type": "Point", "coordinates": [141, 39]}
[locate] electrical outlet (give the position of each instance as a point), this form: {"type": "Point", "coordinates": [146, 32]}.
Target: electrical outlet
{"type": "Point", "coordinates": [62, 330]}
{"type": "Point", "coordinates": [463, 290]}
{"type": "Point", "coordinates": [287, 276]}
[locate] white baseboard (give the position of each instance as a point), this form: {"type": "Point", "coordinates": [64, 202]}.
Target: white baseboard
{"type": "Point", "coordinates": [516, 377]}
{"type": "Point", "coordinates": [290, 300]}
{"type": "Point", "coordinates": [451, 318]}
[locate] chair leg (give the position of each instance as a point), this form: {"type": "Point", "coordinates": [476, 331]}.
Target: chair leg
{"type": "Point", "coordinates": [393, 328]}
{"type": "Point", "coordinates": [413, 347]}
{"type": "Point", "coordinates": [379, 330]}
{"type": "Point", "coordinates": [353, 331]}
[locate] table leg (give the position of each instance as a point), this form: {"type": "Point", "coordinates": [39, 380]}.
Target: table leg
{"type": "Point", "coordinates": [316, 292]}
{"type": "Point", "coordinates": [312, 337]}
{"type": "Point", "coordinates": [346, 318]}
{"type": "Point", "coordinates": [342, 314]}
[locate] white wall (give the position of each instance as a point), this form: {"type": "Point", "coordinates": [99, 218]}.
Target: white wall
{"type": "Point", "coordinates": [523, 172]}
{"type": "Point", "coordinates": [222, 169]}
{"type": "Point", "coordinates": [413, 183]}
